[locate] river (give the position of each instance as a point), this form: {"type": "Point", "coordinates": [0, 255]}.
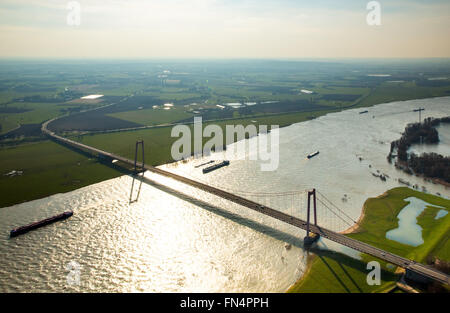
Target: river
{"type": "Point", "coordinates": [189, 241]}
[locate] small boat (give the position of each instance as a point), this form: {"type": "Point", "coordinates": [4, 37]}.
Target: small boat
{"type": "Point", "coordinates": [311, 155]}
{"type": "Point", "coordinates": [24, 229]}
{"type": "Point", "coordinates": [364, 112]}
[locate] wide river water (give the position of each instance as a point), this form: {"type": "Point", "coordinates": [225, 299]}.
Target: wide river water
{"type": "Point", "coordinates": [175, 238]}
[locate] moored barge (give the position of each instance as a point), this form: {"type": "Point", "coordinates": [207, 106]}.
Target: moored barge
{"type": "Point", "coordinates": [24, 229]}
{"type": "Point", "coordinates": [215, 166]}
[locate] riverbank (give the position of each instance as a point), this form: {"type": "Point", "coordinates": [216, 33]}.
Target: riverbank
{"type": "Point", "coordinates": [336, 272]}
{"type": "Point", "coordinates": [403, 166]}
{"type": "Point", "coordinates": [357, 226]}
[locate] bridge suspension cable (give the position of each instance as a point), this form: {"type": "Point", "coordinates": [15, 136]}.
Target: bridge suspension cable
{"type": "Point", "coordinates": [326, 199]}
{"type": "Point", "coordinates": [266, 198]}
{"type": "Point", "coordinates": [332, 211]}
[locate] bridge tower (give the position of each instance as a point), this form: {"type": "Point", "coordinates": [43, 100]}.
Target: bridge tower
{"type": "Point", "coordinates": [137, 171]}
{"type": "Point", "coordinates": [311, 237]}
{"type": "Point", "coordinates": [142, 167]}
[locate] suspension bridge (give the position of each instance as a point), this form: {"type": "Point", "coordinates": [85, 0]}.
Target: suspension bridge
{"type": "Point", "coordinates": [414, 270]}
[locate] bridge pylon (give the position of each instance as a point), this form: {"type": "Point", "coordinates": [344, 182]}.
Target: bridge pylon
{"type": "Point", "coordinates": [142, 167]}
{"type": "Point", "coordinates": [311, 237]}
{"type": "Point", "coordinates": [137, 171]}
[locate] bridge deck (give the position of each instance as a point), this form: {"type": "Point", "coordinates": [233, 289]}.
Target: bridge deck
{"type": "Point", "coordinates": [331, 235]}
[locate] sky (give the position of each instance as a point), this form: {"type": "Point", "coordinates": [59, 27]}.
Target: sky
{"type": "Point", "coordinates": [185, 29]}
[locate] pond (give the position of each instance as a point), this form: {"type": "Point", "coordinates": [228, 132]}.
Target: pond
{"type": "Point", "coordinates": [408, 232]}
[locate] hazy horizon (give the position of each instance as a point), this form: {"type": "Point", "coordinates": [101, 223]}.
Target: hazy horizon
{"type": "Point", "coordinates": [138, 59]}
{"type": "Point", "coordinates": [219, 29]}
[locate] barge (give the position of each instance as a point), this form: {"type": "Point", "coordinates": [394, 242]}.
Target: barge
{"type": "Point", "coordinates": [203, 164]}
{"type": "Point", "coordinates": [312, 154]}
{"type": "Point", "coordinates": [215, 166]}
{"type": "Point", "coordinates": [24, 229]}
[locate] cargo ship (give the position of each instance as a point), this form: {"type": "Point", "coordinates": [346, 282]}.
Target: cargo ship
{"type": "Point", "coordinates": [24, 229]}
{"type": "Point", "coordinates": [215, 167]}
{"type": "Point", "coordinates": [312, 154]}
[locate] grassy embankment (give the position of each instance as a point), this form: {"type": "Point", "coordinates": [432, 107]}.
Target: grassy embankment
{"type": "Point", "coordinates": [334, 272]}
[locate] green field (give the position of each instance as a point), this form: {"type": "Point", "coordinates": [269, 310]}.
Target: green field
{"type": "Point", "coordinates": [158, 141]}
{"type": "Point", "coordinates": [388, 92]}
{"type": "Point", "coordinates": [334, 272]}
{"type": "Point", "coordinates": [153, 116]}
{"type": "Point", "coordinates": [38, 113]}
{"type": "Point", "coordinates": [382, 216]}
{"type": "Point", "coordinates": [48, 168]}
{"type": "Point", "coordinates": [337, 273]}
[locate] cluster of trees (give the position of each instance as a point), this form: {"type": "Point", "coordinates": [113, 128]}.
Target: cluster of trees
{"type": "Point", "coordinates": [59, 97]}
{"type": "Point", "coordinates": [431, 165]}
{"type": "Point", "coordinates": [436, 121]}
{"type": "Point", "coordinates": [415, 133]}
{"type": "Point", "coordinates": [428, 164]}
